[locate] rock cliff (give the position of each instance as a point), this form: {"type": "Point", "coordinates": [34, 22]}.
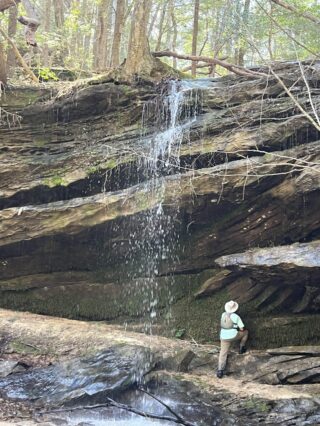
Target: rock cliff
{"type": "Point", "coordinates": [241, 205]}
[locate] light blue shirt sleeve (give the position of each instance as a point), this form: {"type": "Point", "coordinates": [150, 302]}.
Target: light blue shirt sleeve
{"type": "Point", "coordinates": [237, 320]}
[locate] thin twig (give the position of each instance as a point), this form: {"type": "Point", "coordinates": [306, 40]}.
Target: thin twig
{"type": "Point", "coordinates": [111, 402]}
{"type": "Point", "coordinates": [182, 420]}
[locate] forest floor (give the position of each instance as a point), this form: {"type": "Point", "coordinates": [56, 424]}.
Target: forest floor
{"type": "Point", "coordinates": [38, 340]}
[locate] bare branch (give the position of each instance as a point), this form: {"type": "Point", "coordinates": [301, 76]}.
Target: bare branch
{"type": "Point", "coordinates": [182, 420]}
{"type": "Point", "coordinates": [9, 119]}
{"type": "Point", "coordinates": [285, 31]}
{"type": "Point", "coordinates": [304, 112]}
{"type": "Point", "coordinates": [205, 65]}
{"type": "Point", "coordinates": [111, 402]}
{"type": "Point", "coordinates": [236, 69]}
{"type": "Point", "coordinates": [306, 15]}
{"type": "Point", "coordinates": [5, 4]}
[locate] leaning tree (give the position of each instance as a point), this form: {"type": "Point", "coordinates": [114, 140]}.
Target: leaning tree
{"type": "Point", "coordinates": [31, 22]}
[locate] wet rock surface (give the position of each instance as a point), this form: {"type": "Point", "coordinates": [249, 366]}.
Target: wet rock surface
{"type": "Point", "coordinates": [107, 373]}
{"type": "Point", "coordinates": [94, 361]}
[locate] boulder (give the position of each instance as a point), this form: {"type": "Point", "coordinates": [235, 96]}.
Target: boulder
{"type": "Point", "coordinates": [107, 373]}
{"type": "Point", "coordinates": [179, 361]}
{"type": "Point", "coordinates": [290, 369]}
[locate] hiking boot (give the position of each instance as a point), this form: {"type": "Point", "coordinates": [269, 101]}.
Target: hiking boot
{"type": "Point", "coordinates": [242, 350]}
{"type": "Point", "coordinates": [220, 374]}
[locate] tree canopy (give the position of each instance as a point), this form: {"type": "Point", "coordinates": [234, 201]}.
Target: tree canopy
{"type": "Point", "coordinates": [204, 37]}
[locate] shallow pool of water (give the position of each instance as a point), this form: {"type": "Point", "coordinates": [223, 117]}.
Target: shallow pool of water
{"type": "Point", "coordinates": [105, 417]}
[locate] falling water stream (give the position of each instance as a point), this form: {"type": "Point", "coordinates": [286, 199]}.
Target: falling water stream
{"type": "Point", "coordinates": [172, 115]}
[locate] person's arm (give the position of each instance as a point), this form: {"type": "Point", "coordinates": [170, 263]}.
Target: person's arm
{"type": "Point", "coordinates": [240, 324]}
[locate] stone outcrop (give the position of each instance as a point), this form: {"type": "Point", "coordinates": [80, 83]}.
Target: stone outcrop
{"type": "Point", "coordinates": [72, 216]}
{"type": "Point", "coordinates": [76, 199]}
{"type": "Point", "coordinates": [291, 272]}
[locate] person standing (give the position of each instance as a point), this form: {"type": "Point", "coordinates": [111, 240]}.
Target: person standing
{"type": "Point", "coordinates": [232, 330]}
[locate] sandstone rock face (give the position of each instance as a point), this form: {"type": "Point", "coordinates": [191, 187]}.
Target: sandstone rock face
{"type": "Point", "coordinates": [239, 214]}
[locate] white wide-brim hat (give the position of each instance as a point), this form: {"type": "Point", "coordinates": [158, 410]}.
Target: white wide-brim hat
{"type": "Point", "coordinates": [231, 307]}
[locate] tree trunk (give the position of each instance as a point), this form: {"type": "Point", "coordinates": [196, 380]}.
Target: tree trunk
{"type": "Point", "coordinates": [59, 13]}
{"type": "Point", "coordinates": [235, 41]}
{"type": "Point", "coordinates": [270, 49]}
{"type": "Point", "coordinates": [217, 38]}
{"type": "Point", "coordinates": [139, 58]}
{"type": "Point", "coordinates": [47, 19]}
{"type": "Point", "coordinates": [86, 46]}
{"type": "Point", "coordinates": [244, 23]}
{"type": "Point", "coordinates": [175, 33]}
{"type": "Point", "coordinates": [101, 37]}
{"type": "Point", "coordinates": [195, 35]}
{"type": "Point", "coordinates": [31, 10]}
{"type": "Point", "coordinates": [12, 29]}
{"type": "Point", "coordinates": [3, 69]}
{"type": "Point", "coordinates": [118, 29]}
{"type": "Point", "coordinates": [160, 34]}
{"type": "Point", "coordinates": [153, 20]}
{"type": "Point", "coordinates": [215, 61]}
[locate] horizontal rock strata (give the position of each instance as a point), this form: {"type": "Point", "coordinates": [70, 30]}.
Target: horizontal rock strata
{"type": "Point", "coordinates": [76, 195]}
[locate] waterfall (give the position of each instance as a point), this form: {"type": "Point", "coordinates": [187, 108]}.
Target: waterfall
{"type": "Point", "coordinates": [171, 115]}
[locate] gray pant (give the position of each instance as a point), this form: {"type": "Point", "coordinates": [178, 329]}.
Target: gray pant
{"type": "Point", "coordinates": [225, 346]}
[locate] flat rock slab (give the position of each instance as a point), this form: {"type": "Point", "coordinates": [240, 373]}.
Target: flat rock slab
{"type": "Point", "coordinates": [296, 350]}
{"type": "Point", "coordinates": [301, 255]}
{"type": "Point", "coordinates": [107, 373]}
{"type": "Point", "coordinates": [8, 367]}
{"type": "Point", "coordinates": [289, 371]}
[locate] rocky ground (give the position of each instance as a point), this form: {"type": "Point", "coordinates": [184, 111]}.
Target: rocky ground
{"type": "Point", "coordinates": [269, 387]}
